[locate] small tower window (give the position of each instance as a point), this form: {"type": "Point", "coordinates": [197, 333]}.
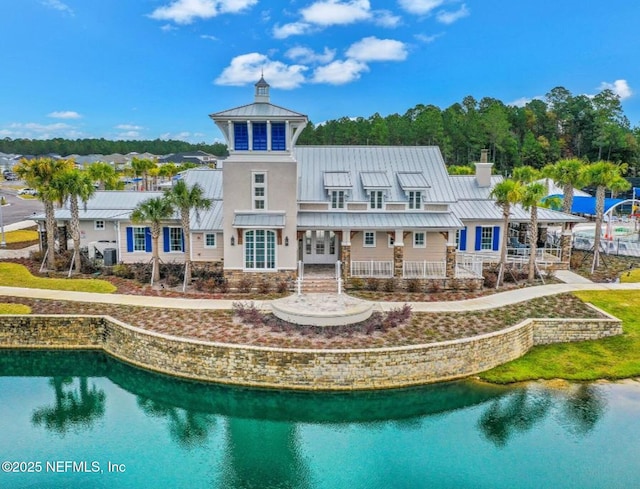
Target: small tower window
{"type": "Point", "coordinates": [278, 136]}
{"type": "Point", "coordinates": [240, 136]}
{"type": "Point", "coordinates": [259, 136]}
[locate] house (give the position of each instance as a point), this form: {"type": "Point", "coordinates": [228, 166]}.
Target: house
{"type": "Point", "coordinates": [195, 157]}
{"type": "Point", "coordinates": [379, 211]}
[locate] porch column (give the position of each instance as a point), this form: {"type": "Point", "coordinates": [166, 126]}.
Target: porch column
{"type": "Point", "coordinates": [345, 253]}
{"type": "Point", "coordinates": [565, 243]}
{"type": "Point", "coordinates": [451, 255]}
{"type": "Point", "coordinates": [398, 253]}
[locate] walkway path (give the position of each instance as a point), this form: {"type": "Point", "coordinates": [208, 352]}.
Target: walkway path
{"type": "Point", "coordinates": [481, 303]}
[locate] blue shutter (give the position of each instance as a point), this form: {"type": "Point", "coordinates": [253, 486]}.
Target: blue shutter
{"type": "Point", "coordinates": [129, 239]}
{"type": "Point", "coordinates": [147, 240]}
{"type": "Point", "coordinates": [496, 238]}
{"type": "Point", "coordinates": [278, 136]}
{"type": "Point", "coordinates": [478, 238]}
{"type": "Point", "coordinates": [165, 239]}
{"type": "Point", "coordinates": [240, 136]}
{"type": "Point", "coordinates": [259, 136]}
{"type": "Point", "coordinates": [463, 239]}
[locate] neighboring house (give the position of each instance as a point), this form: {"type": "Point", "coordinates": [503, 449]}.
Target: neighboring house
{"type": "Point", "coordinates": [196, 157]}
{"type": "Point", "coordinates": [380, 210]}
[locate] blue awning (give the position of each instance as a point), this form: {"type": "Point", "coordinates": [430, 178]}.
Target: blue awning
{"type": "Point", "coordinates": [587, 205]}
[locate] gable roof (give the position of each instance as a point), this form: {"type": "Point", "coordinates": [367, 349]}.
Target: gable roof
{"type": "Point", "coordinates": [261, 110]}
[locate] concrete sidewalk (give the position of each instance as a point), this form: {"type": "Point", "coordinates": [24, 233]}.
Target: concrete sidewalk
{"type": "Point", "coordinates": [481, 303]}
{"type": "Point", "coordinates": [6, 254]}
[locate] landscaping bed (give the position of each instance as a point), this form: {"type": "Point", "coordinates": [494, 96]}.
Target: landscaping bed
{"type": "Point", "coordinates": [220, 326]}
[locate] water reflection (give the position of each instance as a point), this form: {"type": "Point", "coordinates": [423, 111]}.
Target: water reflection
{"type": "Point", "coordinates": [579, 409]}
{"type": "Point", "coordinates": [76, 405]}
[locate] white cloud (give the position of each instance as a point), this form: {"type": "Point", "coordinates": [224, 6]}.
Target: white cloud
{"type": "Point", "coordinates": [292, 29]}
{"type": "Point", "coordinates": [427, 39]}
{"type": "Point", "coordinates": [374, 49]}
{"type": "Point", "coordinates": [522, 101]}
{"type": "Point", "coordinates": [306, 55]}
{"type": "Point", "coordinates": [420, 7]}
{"type": "Point", "coordinates": [336, 12]}
{"type": "Point", "coordinates": [168, 28]}
{"type": "Point", "coordinates": [209, 37]}
{"type": "Point", "coordinates": [35, 130]}
{"type": "Point", "coordinates": [620, 87]}
{"type": "Point", "coordinates": [128, 135]}
{"type": "Point", "coordinates": [186, 11]}
{"type": "Point", "coordinates": [450, 17]}
{"type": "Point", "coordinates": [129, 127]}
{"type": "Point", "coordinates": [58, 5]}
{"type": "Point", "coordinates": [339, 72]}
{"type": "Point", "coordinates": [247, 68]}
{"type": "Point", "coordinates": [64, 114]}
{"type": "Point", "coordinates": [386, 18]}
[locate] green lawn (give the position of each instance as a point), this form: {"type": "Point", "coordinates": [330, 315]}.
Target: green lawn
{"type": "Point", "coordinates": [20, 236]}
{"type": "Point", "coordinates": [15, 275]}
{"type": "Point", "coordinates": [11, 309]}
{"type": "Point", "coordinates": [631, 276]}
{"type": "Point", "coordinates": [611, 358]}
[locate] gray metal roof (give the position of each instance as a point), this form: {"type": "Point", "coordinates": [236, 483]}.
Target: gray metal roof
{"type": "Point", "coordinates": [210, 220]}
{"type": "Point", "coordinates": [90, 214]}
{"type": "Point", "coordinates": [378, 220]}
{"type": "Point", "coordinates": [209, 179]}
{"type": "Point", "coordinates": [314, 161]}
{"type": "Point", "coordinates": [337, 179]}
{"type": "Point", "coordinates": [466, 186]}
{"type": "Point", "coordinates": [119, 199]}
{"type": "Point", "coordinates": [374, 179]}
{"type": "Point", "coordinates": [412, 181]}
{"type": "Point", "coordinates": [257, 110]}
{"type": "Point", "coordinates": [258, 220]}
{"type": "Point", "coordinates": [483, 210]}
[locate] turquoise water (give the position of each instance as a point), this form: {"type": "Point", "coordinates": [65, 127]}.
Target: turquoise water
{"type": "Point", "coordinates": [127, 428]}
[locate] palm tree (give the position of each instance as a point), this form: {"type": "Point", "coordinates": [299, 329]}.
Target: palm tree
{"type": "Point", "coordinates": [506, 193]}
{"type": "Point", "coordinates": [567, 173]}
{"type": "Point", "coordinates": [533, 193]}
{"type": "Point", "coordinates": [39, 173]}
{"type": "Point", "coordinates": [153, 211]}
{"type": "Point", "coordinates": [186, 198]}
{"type": "Point", "coordinates": [604, 175]}
{"type": "Point", "coordinates": [141, 167]}
{"type": "Point", "coordinates": [104, 175]}
{"type": "Point", "coordinates": [74, 185]}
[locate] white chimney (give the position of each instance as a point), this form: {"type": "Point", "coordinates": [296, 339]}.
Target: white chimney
{"type": "Point", "coordinates": [483, 170]}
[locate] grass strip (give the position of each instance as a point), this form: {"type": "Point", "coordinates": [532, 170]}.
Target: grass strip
{"type": "Point", "coordinates": [11, 309]}
{"type": "Point", "coordinates": [15, 275]}
{"type": "Point", "coordinates": [611, 358]}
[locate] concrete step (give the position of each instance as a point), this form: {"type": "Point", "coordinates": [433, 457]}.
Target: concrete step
{"type": "Point", "coordinates": [317, 285]}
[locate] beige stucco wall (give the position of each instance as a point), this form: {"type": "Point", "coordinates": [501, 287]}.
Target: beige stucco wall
{"type": "Point", "coordinates": [281, 196]}
{"type": "Point", "coordinates": [381, 252]}
{"type": "Point", "coordinates": [314, 207]}
{"type": "Point", "coordinates": [307, 369]}
{"type": "Point", "coordinates": [435, 250]}
{"type": "Point", "coordinates": [200, 253]}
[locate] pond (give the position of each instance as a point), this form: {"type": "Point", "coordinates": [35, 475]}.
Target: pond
{"type": "Point", "coordinates": [82, 419]}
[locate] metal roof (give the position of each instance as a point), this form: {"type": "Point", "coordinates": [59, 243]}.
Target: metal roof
{"type": "Point", "coordinates": [209, 179]}
{"type": "Point", "coordinates": [487, 210]}
{"type": "Point", "coordinates": [337, 179]}
{"type": "Point", "coordinates": [378, 220]}
{"type": "Point", "coordinates": [466, 186]}
{"type": "Point", "coordinates": [374, 179]}
{"type": "Point", "coordinates": [412, 180]}
{"type": "Point", "coordinates": [258, 220]}
{"type": "Point", "coordinates": [90, 214]}
{"type": "Point", "coordinates": [314, 161]}
{"type": "Point", "coordinates": [119, 199]}
{"type": "Point", "coordinates": [259, 110]}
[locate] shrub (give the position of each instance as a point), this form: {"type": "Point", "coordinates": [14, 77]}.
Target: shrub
{"type": "Point", "coordinates": [389, 285]}
{"type": "Point", "coordinates": [223, 285]}
{"type": "Point", "coordinates": [248, 313]}
{"type": "Point", "coordinates": [123, 270]}
{"type": "Point", "coordinates": [372, 284]}
{"type": "Point", "coordinates": [172, 280]}
{"type": "Point", "coordinates": [142, 273]}
{"type": "Point", "coordinates": [413, 285]}
{"type": "Point", "coordinates": [264, 286]}
{"type": "Point", "coordinates": [434, 287]}
{"type": "Point", "coordinates": [245, 284]}
{"type": "Point", "coordinates": [356, 283]}
{"type": "Point", "coordinates": [282, 287]}
{"type": "Point", "coordinates": [490, 278]}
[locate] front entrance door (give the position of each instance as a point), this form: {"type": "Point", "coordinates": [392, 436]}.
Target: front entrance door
{"type": "Point", "coordinates": [319, 247]}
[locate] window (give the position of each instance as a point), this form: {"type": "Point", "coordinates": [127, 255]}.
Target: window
{"type": "Point", "coordinates": [259, 136]}
{"type": "Point", "coordinates": [461, 239]}
{"type": "Point", "coordinates": [139, 239]}
{"type": "Point", "coordinates": [337, 199]}
{"type": "Point", "coordinates": [486, 240]}
{"type": "Point", "coordinates": [175, 239]}
{"type": "Point", "coordinates": [278, 136]}
{"type": "Point", "coordinates": [259, 183]}
{"type": "Point", "coordinates": [391, 239]}
{"type": "Point", "coordinates": [369, 239]}
{"type": "Point", "coordinates": [260, 249]}
{"type": "Point", "coordinates": [419, 240]}
{"type": "Point", "coordinates": [375, 199]}
{"type": "Point", "coordinates": [415, 200]}
{"type": "Point", "coordinates": [320, 244]}
{"type": "Point", "coordinates": [98, 225]}
{"type": "Point", "coordinates": [240, 136]}
{"type": "Point", "coordinates": [209, 240]}
{"type": "Point", "coordinates": [307, 242]}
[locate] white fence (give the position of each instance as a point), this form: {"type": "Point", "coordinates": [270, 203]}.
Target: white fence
{"type": "Point", "coordinates": [379, 269]}
{"type": "Point", "coordinates": [424, 269]}
{"type": "Point", "coordinates": [468, 267]}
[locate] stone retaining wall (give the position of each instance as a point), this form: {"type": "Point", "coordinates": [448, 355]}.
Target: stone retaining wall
{"type": "Point", "coordinates": [297, 368]}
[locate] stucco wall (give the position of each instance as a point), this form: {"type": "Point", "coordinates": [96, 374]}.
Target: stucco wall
{"type": "Point", "coordinates": [200, 253]}
{"type": "Point", "coordinates": [297, 368]}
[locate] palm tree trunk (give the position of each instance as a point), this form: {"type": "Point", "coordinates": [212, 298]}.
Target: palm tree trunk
{"type": "Point", "coordinates": [155, 275]}
{"type": "Point", "coordinates": [184, 216]}
{"type": "Point", "coordinates": [533, 242]}
{"type": "Point", "coordinates": [51, 233]}
{"type": "Point", "coordinates": [567, 198]}
{"type": "Point", "coordinates": [75, 231]}
{"type": "Point", "coordinates": [598, 231]}
{"type": "Point", "coordinates": [504, 242]}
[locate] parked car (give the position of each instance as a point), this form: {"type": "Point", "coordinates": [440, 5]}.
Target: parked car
{"type": "Point", "coordinates": [10, 176]}
{"type": "Point", "coordinates": [27, 191]}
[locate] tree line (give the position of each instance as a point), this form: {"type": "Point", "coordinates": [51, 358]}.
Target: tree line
{"type": "Point", "coordinates": [562, 125]}
{"type": "Point", "coordinates": [65, 147]}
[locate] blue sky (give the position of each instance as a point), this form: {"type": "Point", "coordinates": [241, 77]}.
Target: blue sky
{"type": "Point", "coordinates": [146, 69]}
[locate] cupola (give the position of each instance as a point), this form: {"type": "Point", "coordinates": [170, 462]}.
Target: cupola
{"type": "Point", "coordinates": [262, 91]}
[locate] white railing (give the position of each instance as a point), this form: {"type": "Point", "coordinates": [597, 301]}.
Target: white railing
{"type": "Point", "coordinates": [468, 267]}
{"type": "Point", "coordinates": [424, 269]}
{"type": "Point", "coordinates": [372, 268]}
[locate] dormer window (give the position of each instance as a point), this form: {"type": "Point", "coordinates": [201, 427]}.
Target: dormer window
{"type": "Point", "coordinates": [376, 199]}
{"type": "Point", "coordinates": [337, 199]}
{"type": "Point", "coordinates": [415, 199]}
